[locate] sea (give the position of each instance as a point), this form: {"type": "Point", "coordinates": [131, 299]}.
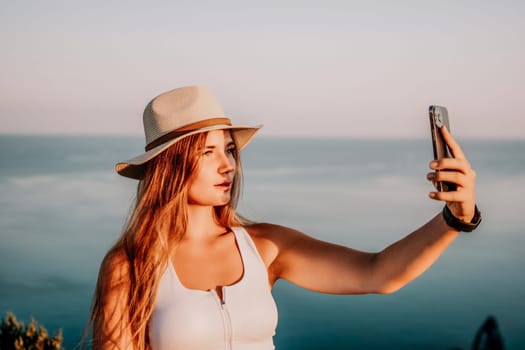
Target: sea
{"type": "Point", "coordinates": [62, 206]}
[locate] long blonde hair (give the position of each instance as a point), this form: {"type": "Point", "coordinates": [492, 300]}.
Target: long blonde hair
{"type": "Point", "coordinates": [156, 224]}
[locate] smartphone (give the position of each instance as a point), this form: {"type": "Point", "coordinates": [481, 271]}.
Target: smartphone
{"type": "Point", "coordinates": [439, 117]}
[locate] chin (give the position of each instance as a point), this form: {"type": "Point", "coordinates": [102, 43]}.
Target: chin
{"type": "Point", "coordinates": [224, 202]}
{"type": "Point", "coordinates": [210, 199]}
{"type": "Point", "coordinates": [218, 202]}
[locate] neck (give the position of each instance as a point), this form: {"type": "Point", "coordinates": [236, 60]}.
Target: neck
{"type": "Point", "coordinates": [201, 223]}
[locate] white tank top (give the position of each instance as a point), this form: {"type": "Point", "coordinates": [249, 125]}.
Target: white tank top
{"type": "Point", "coordinates": [190, 319]}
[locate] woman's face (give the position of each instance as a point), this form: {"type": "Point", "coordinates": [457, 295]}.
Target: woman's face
{"type": "Point", "coordinates": [212, 182]}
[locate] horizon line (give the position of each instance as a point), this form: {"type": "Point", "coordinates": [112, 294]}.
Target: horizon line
{"type": "Point", "coordinates": [297, 137]}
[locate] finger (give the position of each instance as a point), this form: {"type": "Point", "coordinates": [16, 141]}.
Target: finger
{"type": "Point", "coordinates": [453, 196]}
{"type": "Point", "coordinates": [449, 176]}
{"type": "Point", "coordinates": [461, 165]}
{"type": "Point", "coordinates": [430, 177]}
{"type": "Point", "coordinates": [453, 146]}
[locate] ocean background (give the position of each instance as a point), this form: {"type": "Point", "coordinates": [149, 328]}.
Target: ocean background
{"type": "Point", "coordinates": [62, 206]}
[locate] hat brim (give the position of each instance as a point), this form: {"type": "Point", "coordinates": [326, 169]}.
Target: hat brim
{"type": "Point", "coordinates": [134, 167]}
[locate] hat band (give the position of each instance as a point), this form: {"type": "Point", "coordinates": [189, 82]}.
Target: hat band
{"type": "Point", "coordinates": [186, 129]}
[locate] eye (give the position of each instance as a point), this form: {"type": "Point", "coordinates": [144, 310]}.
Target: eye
{"type": "Point", "coordinates": [231, 150]}
{"type": "Point", "coordinates": [207, 153]}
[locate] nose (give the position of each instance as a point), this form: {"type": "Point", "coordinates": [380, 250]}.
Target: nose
{"type": "Point", "coordinates": [226, 163]}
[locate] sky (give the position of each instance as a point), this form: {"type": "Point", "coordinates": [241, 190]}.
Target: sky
{"type": "Point", "coordinates": [301, 68]}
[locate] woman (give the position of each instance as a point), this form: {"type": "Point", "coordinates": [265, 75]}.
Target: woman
{"type": "Point", "coordinates": [189, 273]}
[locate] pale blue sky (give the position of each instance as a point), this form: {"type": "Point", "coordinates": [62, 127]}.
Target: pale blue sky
{"type": "Point", "coordinates": [302, 68]}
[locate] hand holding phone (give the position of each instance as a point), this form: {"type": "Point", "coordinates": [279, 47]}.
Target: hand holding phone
{"type": "Point", "coordinates": [439, 117]}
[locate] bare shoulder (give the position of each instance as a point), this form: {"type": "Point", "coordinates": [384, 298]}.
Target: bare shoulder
{"type": "Point", "coordinates": [111, 326]}
{"type": "Point", "coordinates": [271, 232]}
{"type": "Point", "coordinates": [114, 270]}
{"type": "Point", "coordinates": [270, 239]}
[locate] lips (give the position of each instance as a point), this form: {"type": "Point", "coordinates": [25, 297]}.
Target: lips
{"type": "Point", "coordinates": [226, 184]}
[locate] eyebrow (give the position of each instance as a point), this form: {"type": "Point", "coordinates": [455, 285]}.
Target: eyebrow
{"type": "Point", "coordinates": [231, 143]}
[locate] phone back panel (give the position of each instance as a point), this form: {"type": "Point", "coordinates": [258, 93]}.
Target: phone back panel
{"type": "Point", "coordinates": [439, 116]}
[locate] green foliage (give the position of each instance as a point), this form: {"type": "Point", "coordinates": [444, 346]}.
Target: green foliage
{"type": "Point", "coordinates": [14, 335]}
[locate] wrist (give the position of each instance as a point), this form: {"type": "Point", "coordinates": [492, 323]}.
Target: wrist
{"type": "Point", "coordinates": [460, 225]}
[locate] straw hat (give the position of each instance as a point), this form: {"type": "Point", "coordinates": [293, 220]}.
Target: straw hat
{"type": "Point", "coordinates": [176, 114]}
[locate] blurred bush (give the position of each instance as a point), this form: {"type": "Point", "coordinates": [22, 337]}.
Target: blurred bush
{"type": "Point", "coordinates": [14, 335]}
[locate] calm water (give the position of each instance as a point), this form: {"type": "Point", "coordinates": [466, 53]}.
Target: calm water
{"type": "Point", "coordinates": [62, 206]}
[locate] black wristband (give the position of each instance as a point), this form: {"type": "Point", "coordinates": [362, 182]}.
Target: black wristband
{"type": "Point", "coordinates": [460, 225]}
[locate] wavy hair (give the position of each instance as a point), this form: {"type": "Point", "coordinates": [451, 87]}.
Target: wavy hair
{"type": "Point", "coordinates": [130, 272]}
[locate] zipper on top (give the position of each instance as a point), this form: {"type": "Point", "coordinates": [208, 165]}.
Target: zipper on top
{"type": "Point", "coordinates": [226, 320]}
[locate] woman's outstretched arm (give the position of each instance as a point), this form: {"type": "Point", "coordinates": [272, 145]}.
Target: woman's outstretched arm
{"type": "Point", "coordinates": [331, 268]}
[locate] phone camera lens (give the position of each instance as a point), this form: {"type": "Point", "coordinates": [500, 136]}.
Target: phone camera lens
{"type": "Point", "coordinates": [439, 121]}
